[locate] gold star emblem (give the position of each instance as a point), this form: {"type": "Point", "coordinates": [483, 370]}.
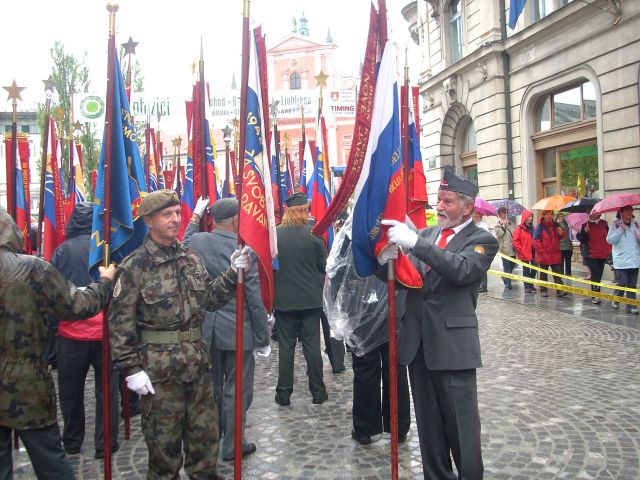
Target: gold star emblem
{"type": "Point", "coordinates": [321, 79]}
{"type": "Point", "coordinates": [77, 126]}
{"type": "Point", "coordinates": [49, 84]}
{"type": "Point", "coordinates": [130, 47]}
{"type": "Point", "coordinates": [14, 91]}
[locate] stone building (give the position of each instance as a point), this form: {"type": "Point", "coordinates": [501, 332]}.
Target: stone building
{"type": "Point", "coordinates": [548, 106]}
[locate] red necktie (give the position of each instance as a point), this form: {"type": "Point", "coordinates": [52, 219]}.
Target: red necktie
{"type": "Point", "coordinates": [444, 234]}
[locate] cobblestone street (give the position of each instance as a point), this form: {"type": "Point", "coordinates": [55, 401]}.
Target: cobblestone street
{"type": "Point", "coordinates": [559, 398]}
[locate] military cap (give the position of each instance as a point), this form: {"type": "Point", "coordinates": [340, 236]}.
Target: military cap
{"type": "Point", "coordinates": [296, 200]}
{"type": "Point", "coordinates": [454, 183]}
{"type": "Point", "coordinates": [157, 201]}
{"type": "Point", "coordinates": [224, 208]}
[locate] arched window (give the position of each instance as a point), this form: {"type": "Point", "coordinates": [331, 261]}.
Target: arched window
{"type": "Point", "coordinates": [468, 152]}
{"type": "Point", "coordinates": [294, 81]}
{"type": "Point", "coordinates": [566, 142]}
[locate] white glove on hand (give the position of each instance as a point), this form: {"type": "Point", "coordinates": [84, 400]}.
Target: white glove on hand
{"type": "Point", "coordinates": [401, 234]}
{"type": "Point", "coordinates": [140, 383]}
{"type": "Point", "coordinates": [241, 259]}
{"type": "Point", "coordinates": [261, 352]}
{"type": "Point", "coordinates": [271, 320]}
{"type": "Point", "coordinates": [201, 206]}
{"type": "Point", "coordinates": [390, 252]}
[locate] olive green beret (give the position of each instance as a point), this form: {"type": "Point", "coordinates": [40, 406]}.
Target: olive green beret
{"type": "Point", "coordinates": [224, 208]}
{"type": "Point", "coordinates": [157, 201]}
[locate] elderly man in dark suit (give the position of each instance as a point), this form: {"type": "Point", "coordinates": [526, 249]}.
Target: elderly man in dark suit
{"type": "Point", "coordinates": [438, 336]}
{"type": "Point", "coordinates": [219, 330]}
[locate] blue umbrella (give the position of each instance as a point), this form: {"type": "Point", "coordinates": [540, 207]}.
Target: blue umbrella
{"type": "Point", "coordinates": [513, 207]}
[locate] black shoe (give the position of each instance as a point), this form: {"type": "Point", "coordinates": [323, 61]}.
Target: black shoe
{"type": "Point", "coordinates": [100, 453]}
{"type": "Point", "coordinates": [562, 294]}
{"type": "Point", "coordinates": [483, 290]}
{"type": "Point", "coordinates": [402, 438]}
{"type": "Point", "coordinates": [362, 439]}
{"type": "Point", "coordinates": [72, 450]}
{"type": "Point", "coordinates": [247, 450]}
{"type": "Point", "coordinates": [508, 287]}
{"type": "Point", "coordinates": [285, 402]}
{"type": "Point", "coordinates": [321, 399]}
{"type": "Point", "coordinates": [339, 370]}
{"type": "Point", "coordinates": [534, 289]}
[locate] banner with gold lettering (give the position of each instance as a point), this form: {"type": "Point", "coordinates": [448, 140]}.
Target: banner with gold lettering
{"type": "Point", "coordinates": [257, 222]}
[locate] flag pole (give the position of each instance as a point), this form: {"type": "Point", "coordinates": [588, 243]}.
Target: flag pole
{"type": "Point", "coordinates": [48, 88]}
{"type": "Point", "coordinates": [201, 135]}
{"type": "Point", "coordinates": [147, 149]}
{"type": "Point", "coordinates": [106, 229]}
{"type": "Point", "coordinates": [14, 95]}
{"type": "Point", "coordinates": [391, 286]}
{"type": "Point", "coordinates": [404, 126]}
{"type": "Point", "coordinates": [237, 420]}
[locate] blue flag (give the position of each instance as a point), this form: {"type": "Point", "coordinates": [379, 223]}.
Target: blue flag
{"type": "Point", "coordinates": [515, 9]}
{"type": "Point", "coordinates": [127, 185]}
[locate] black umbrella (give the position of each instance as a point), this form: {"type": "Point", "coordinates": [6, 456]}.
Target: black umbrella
{"type": "Point", "coordinates": [581, 205]}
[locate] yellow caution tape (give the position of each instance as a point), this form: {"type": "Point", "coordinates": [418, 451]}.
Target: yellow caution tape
{"type": "Point", "coordinates": [573, 279]}
{"type": "Point", "coordinates": [567, 288]}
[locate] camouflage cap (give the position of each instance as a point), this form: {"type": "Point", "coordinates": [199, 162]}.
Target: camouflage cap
{"type": "Point", "coordinates": [224, 208]}
{"type": "Point", "coordinates": [157, 201]}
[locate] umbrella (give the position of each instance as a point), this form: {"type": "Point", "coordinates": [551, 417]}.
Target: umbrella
{"type": "Point", "coordinates": [618, 200]}
{"type": "Point", "coordinates": [484, 207]}
{"type": "Point", "coordinates": [576, 220]}
{"type": "Point", "coordinates": [581, 205]}
{"type": "Point", "coordinates": [513, 207]}
{"type": "Point", "coordinates": [554, 202]}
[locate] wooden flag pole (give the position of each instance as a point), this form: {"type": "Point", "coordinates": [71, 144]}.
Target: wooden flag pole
{"type": "Point", "coordinates": [106, 229]}
{"type": "Point", "coordinates": [237, 420]}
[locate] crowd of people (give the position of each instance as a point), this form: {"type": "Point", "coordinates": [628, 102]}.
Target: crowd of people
{"type": "Point", "coordinates": [173, 333]}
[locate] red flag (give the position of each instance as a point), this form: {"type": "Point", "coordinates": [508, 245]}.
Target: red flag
{"type": "Point", "coordinates": [361, 131]}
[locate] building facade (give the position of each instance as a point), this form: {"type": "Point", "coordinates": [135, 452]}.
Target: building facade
{"type": "Point", "coordinates": [548, 106]}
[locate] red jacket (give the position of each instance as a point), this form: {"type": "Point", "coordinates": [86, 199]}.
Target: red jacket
{"type": "Point", "coordinates": [546, 241]}
{"type": "Point", "coordinates": [523, 238]}
{"type": "Point", "coordinates": [597, 239]}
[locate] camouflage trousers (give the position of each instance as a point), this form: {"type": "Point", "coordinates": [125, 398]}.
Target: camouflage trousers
{"type": "Point", "coordinates": [181, 415]}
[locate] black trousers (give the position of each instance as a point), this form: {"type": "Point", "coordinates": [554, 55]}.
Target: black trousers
{"type": "Point", "coordinates": [74, 359]}
{"type": "Point", "coordinates": [556, 268]}
{"type": "Point", "coordinates": [596, 267]}
{"type": "Point", "coordinates": [567, 255]}
{"type": "Point", "coordinates": [446, 407]}
{"type": "Point", "coordinates": [45, 452]}
{"type": "Point", "coordinates": [334, 347]}
{"type": "Point", "coordinates": [371, 416]}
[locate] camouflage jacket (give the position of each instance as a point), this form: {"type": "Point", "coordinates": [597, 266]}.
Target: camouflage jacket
{"type": "Point", "coordinates": [161, 288]}
{"type": "Point", "coordinates": [31, 289]}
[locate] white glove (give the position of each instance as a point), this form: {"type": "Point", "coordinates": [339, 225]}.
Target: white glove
{"type": "Point", "coordinates": [140, 383]}
{"type": "Point", "coordinates": [201, 206]}
{"type": "Point", "coordinates": [390, 252]}
{"type": "Point", "coordinates": [261, 352]}
{"type": "Point", "coordinates": [271, 320]}
{"type": "Point", "coordinates": [401, 234]}
{"type": "Point", "coordinates": [241, 259]}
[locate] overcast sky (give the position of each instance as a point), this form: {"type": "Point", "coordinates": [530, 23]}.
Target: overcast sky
{"type": "Point", "coordinates": [169, 35]}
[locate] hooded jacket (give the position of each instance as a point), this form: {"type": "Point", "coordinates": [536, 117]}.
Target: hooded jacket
{"type": "Point", "coordinates": [523, 238]}
{"type": "Point", "coordinates": [31, 289]}
{"type": "Point", "coordinates": [625, 243]}
{"type": "Point", "coordinates": [72, 259]}
{"type": "Point", "coordinates": [546, 241]}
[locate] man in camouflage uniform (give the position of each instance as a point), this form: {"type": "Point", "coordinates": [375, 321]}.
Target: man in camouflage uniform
{"type": "Point", "coordinates": [159, 301]}
{"type": "Point", "coordinates": [30, 289]}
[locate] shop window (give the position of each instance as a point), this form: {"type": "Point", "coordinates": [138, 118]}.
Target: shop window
{"type": "Point", "coordinates": [574, 104]}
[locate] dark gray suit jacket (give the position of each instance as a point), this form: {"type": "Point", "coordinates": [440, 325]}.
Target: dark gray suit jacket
{"type": "Point", "coordinates": [442, 314]}
{"type": "Point", "coordinates": [219, 328]}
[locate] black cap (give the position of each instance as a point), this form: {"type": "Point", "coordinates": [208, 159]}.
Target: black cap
{"type": "Point", "coordinates": [224, 208]}
{"type": "Point", "coordinates": [297, 199]}
{"type": "Point", "coordinates": [454, 183]}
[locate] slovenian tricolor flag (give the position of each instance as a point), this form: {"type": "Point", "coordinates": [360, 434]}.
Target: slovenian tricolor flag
{"type": "Point", "coordinates": [380, 191]}
{"type": "Point", "coordinates": [319, 187]}
{"type": "Point", "coordinates": [306, 174]}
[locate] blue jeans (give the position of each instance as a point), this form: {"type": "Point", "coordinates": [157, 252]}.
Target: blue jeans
{"type": "Point", "coordinates": [507, 266]}
{"type": "Point", "coordinates": [626, 277]}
